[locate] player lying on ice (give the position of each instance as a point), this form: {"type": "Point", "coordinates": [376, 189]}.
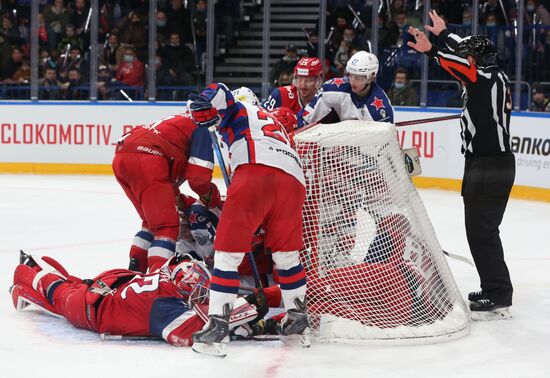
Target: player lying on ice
{"type": "Point", "coordinates": [170, 303]}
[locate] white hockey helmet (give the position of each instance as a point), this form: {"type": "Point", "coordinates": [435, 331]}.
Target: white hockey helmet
{"type": "Point", "coordinates": [362, 63]}
{"type": "Point", "coordinates": [245, 94]}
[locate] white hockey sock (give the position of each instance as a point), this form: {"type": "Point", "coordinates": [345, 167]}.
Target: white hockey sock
{"type": "Point", "coordinates": [224, 284]}
{"type": "Point", "coordinates": [292, 277]}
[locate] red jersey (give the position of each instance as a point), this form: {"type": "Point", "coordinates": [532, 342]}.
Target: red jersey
{"type": "Point", "coordinates": [284, 96]}
{"type": "Point", "coordinates": [147, 305]}
{"type": "Point", "coordinates": [186, 147]}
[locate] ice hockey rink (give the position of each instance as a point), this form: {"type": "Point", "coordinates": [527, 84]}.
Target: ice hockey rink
{"type": "Point", "coordinates": [87, 223]}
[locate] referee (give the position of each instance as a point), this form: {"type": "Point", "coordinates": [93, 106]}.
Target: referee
{"type": "Point", "coordinates": [489, 169]}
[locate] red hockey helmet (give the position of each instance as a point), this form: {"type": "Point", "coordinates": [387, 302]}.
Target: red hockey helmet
{"type": "Point", "coordinates": [192, 280]}
{"type": "Point", "coordinates": [308, 67]}
{"type": "Point", "coordinates": [286, 117]}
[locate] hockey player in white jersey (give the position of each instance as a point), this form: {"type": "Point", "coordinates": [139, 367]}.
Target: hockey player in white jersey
{"type": "Point", "coordinates": [355, 96]}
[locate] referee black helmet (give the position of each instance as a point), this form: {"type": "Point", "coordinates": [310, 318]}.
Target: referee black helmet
{"type": "Point", "coordinates": [480, 47]}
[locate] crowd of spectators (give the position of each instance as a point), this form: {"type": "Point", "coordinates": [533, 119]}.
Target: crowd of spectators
{"type": "Point", "coordinates": [64, 43]}
{"type": "Point", "coordinates": [349, 30]}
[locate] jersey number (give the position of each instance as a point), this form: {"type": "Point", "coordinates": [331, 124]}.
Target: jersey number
{"type": "Point", "coordinates": [148, 284]}
{"type": "Point", "coordinates": [272, 130]}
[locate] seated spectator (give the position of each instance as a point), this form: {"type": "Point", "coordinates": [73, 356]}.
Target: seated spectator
{"type": "Point", "coordinates": [388, 33]}
{"type": "Point", "coordinates": [47, 39]}
{"type": "Point", "coordinates": [402, 23]}
{"type": "Point", "coordinates": [341, 57]}
{"type": "Point", "coordinates": [179, 20]}
{"type": "Point", "coordinates": [73, 60]}
{"type": "Point", "coordinates": [10, 32]}
{"type": "Point", "coordinates": [5, 52]}
{"type": "Point", "coordinates": [23, 73]}
{"type": "Point", "coordinates": [179, 60]}
{"type": "Point", "coordinates": [49, 85]}
{"type": "Point", "coordinates": [79, 16]}
{"type": "Point", "coordinates": [534, 8]}
{"type": "Point", "coordinates": [9, 68]}
{"type": "Point", "coordinates": [285, 78]}
{"type": "Point", "coordinates": [74, 86]}
{"type": "Point", "coordinates": [286, 63]}
{"type": "Point", "coordinates": [104, 78]}
{"type": "Point", "coordinates": [131, 71]}
{"type": "Point", "coordinates": [113, 52]}
{"type": "Point", "coordinates": [491, 7]}
{"type": "Point", "coordinates": [351, 37]}
{"type": "Point", "coordinates": [402, 92]}
{"type": "Point", "coordinates": [70, 39]}
{"type": "Point", "coordinates": [541, 103]}
{"type": "Point", "coordinates": [57, 17]}
{"type": "Point", "coordinates": [133, 31]}
{"type": "Point", "coordinates": [163, 28]}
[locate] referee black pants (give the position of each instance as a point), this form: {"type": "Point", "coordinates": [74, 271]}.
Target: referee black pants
{"type": "Point", "coordinates": [486, 187]}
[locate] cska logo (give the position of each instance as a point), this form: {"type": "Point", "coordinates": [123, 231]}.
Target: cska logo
{"type": "Point", "coordinates": [193, 218]}
{"type": "Point", "coordinates": [338, 81]}
{"type": "Point", "coordinates": [377, 103]}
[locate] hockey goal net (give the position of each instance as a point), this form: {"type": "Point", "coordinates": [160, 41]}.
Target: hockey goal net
{"type": "Point", "coordinates": [374, 266]}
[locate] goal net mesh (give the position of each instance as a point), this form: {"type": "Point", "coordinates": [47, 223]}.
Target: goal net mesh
{"type": "Point", "coordinates": [374, 266]}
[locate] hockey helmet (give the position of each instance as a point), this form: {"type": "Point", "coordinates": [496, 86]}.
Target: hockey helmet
{"type": "Point", "coordinates": [362, 63]}
{"type": "Point", "coordinates": [308, 67]}
{"type": "Point", "coordinates": [245, 94]}
{"type": "Point", "coordinates": [286, 118]}
{"type": "Point", "coordinates": [480, 47]}
{"type": "Point", "coordinates": [192, 280]}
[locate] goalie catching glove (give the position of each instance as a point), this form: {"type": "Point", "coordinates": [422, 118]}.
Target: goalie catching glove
{"type": "Point", "coordinates": [202, 111]}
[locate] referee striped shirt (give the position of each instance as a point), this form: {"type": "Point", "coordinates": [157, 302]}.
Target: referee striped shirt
{"type": "Point", "coordinates": [487, 100]}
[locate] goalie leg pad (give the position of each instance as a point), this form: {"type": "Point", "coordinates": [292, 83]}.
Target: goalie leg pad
{"type": "Point", "coordinates": [23, 295]}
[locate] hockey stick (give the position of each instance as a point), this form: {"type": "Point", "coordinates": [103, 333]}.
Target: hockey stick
{"type": "Point", "coordinates": [427, 120]}
{"type": "Point", "coordinates": [217, 150]}
{"type": "Point", "coordinates": [458, 257]}
{"type": "Point", "coordinates": [108, 337]}
{"type": "Point", "coordinates": [397, 124]}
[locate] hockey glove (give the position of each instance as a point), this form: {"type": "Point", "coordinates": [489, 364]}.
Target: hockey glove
{"type": "Point", "coordinates": [258, 299]}
{"type": "Point", "coordinates": [212, 199]}
{"type": "Point", "coordinates": [202, 112]}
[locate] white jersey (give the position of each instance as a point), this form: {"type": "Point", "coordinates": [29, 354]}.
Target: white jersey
{"type": "Point", "coordinates": [253, 135]}
{"type": "Point", "coordinates": [336, 94]}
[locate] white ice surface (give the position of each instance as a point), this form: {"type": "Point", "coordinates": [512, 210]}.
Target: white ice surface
{"type": "Point", "coordinates": [87, 223]}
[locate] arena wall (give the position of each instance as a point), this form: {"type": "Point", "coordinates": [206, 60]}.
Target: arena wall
{"type": "Point", "coordinates": [79, 138]}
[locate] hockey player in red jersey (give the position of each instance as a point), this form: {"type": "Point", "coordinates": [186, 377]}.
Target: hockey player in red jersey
{"type": "Point", "coordinates": [150, 164]}
{"type": "Point", "coordinates": [267, 188]}
{"type": "Point", "coordinates": [170, 303]}
{"type": "Point", "coordinates": [307, 80]}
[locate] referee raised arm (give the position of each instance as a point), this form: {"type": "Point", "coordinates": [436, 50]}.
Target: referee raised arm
{"type": "Point", "coordinates": [489, 169]}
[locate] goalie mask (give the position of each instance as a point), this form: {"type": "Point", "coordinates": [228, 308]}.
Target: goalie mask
{"type": "Point", "coordinates": [192, 280]}
{"type": "Point", "coordinates": [202, 223]}
{"type": "Point", "coordinates": [245, 94]}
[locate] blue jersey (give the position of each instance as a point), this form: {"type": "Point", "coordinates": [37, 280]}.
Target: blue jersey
{"type": "Point", "coordinates": [336, 94]}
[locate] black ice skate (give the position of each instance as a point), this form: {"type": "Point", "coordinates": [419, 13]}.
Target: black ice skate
{"type": "Point", "coordinates": [294, 328]}
{"type": "Point", "coordinates": [485, 309]}
{"type": "Point", "coordinates": [476, 296]}
{"type": "Point", "coordinates": [214, 337]}
{"type": "Point", "coordinates": [25, 259]}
